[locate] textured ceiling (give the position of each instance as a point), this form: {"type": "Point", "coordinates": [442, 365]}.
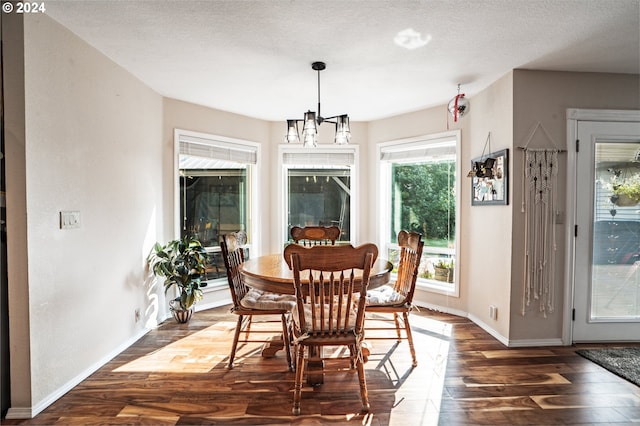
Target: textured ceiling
{"type": "Point", "coordinates": [254, 57]}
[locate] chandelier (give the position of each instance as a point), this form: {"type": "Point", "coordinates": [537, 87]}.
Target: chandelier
{"type": "Point", "coordinates": [312, 122]}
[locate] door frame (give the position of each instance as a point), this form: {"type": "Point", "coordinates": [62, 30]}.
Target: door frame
{"type": "Point", "coordinates": [575, 115]}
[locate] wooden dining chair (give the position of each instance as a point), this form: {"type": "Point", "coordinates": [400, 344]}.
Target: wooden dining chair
{"type": "Point", "coordinates": [397, 299]}
{"type": "Point", "coordinates": [315, 235]}
{"type": "Point", "coordinates": [331, 286]}
{"type": "Point", "coordinates": [249, 302]}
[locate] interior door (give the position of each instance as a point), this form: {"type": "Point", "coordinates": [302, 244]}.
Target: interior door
{"type": "Point", "coordinates": [607, 244]}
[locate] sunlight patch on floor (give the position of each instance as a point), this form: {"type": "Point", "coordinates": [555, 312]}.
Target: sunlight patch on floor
{"type": "Point", "coordinates": [418, 396]}
{"type": "Point", "coordinates": [196, 353]}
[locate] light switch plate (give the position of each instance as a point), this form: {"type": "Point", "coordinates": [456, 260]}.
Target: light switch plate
{"type": "Point", "coordinates": [69, 219]}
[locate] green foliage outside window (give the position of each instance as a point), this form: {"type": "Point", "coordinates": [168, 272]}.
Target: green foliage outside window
{"type": "Point", "coordinates": [426, 201]}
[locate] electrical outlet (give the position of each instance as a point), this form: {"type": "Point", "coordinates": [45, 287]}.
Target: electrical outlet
{"type": "Point", "coordinates": [493, 312]}
{"type": "Point", "coordinates": [137, 315]}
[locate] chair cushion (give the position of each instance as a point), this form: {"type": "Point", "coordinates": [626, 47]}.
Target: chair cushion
{"type": "Point", "coordinates": [258, 299]}
{"type": "Point", "coordinates": [384, 295]}
{"type": "Point", "coordinates": [353, 313]}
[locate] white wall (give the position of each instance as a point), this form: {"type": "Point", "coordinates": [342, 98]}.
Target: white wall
{"type": "Point", "coordinates": [487, 229]}
{"type": "Point", "coordinates": [92, 143]}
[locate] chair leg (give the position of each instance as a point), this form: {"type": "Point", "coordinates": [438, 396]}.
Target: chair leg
{"type": "Point", "coordinates": [352, 356]}
{"type": "Point", "coordinates": [247, 328]}
{"type": "Point", "coordinates": [398, 332]}
{"type": "Point", "coordinates": [287, 341]}
{"type": "Point", "coordinates": [364, 395]}
{"type": "Point", "coordinates": [297, 391]}
{"type": "Point", "coordinates": [407, 328]}
{"type": "Point", "coordinates": [236, 336]}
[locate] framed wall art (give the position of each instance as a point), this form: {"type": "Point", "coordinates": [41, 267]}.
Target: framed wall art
{"type": "Point", "coordinates": [490, 179]}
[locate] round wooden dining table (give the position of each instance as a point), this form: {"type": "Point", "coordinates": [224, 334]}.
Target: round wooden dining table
{"type": "Point", "coordinates": [271, 273]}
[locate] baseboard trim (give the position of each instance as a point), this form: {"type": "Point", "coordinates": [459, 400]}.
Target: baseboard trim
{"type": "Point", "coordinates": [31, 412]}
{"type": "Point", "coordinates": [463, 314]}
{"type": "Point", "coordinates": [527, 343]}
{"type": "Point", "coordinates": [502, 339]}
{"type": "Point", "coordinates": [522, 343]}
{"type": "Point", "coordinates": [19, 413]}
{"type": "Point", "coordinates": [443, 309]}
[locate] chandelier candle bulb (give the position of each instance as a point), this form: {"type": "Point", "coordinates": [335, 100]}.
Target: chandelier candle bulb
{"type": "Point", "coordinates": [343, 134]}
{"type": "Point", "coordinates": [292, 132]}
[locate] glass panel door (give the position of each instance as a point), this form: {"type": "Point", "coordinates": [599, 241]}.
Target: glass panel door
{"type": "Point", "coordinates": [607, 273]}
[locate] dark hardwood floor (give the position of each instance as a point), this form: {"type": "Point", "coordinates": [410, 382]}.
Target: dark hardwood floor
{"type": "Point", "coordinates": [177, 375]}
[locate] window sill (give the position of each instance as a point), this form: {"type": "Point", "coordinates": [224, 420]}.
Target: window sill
{"type": "Point", "coordinates": [434, 286]}
{"type": "Point", "coordinates": [215, 285]}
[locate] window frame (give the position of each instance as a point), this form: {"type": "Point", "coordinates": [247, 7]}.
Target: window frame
{"type": "Point", "coordinates": [253, 236]}
{"type": "Point", "coordinates": [383, 191]}
{"type": "Point", "coordinates": [283, 198]}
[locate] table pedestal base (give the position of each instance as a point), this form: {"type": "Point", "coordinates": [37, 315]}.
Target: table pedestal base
{"type": "Point", "coordinates": [270, 348]}
{"type": "Point", "coordinates": [315, 377]}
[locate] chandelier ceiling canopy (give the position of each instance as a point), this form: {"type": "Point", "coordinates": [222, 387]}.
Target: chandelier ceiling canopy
{"type": "Point", "coordinates": [312, 121]}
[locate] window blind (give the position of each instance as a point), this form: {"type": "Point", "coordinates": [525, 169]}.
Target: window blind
{"type": "Point", "coordinates": [418, 152]}
{"type": "Point", "coordinates": [217, 149]}
{"type": "Point", "coordinates": [314, 158]}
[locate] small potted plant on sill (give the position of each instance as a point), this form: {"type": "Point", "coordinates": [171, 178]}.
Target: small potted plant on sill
{"type": "Point", "coordinates": [181, 263]}
{"type": "Point", "coordinates": [444, 270]}
{"type": "Point", "coordinates": [627, 193]}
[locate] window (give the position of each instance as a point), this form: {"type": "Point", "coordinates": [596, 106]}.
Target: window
{"type": "Point", "coordinates": [214, 190]}
{"type": "Point", "coordinates": [616, 224]}
{"type": "Point", "coordinates": [319, 188]}
{"type": "Point", "coordinates": [419, 190]}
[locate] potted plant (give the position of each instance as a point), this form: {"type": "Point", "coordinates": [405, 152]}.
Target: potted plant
{"type": "Point", "coordinates": [444, 270]}
{"type": "Point", "coordinates": [181, 263]}
{"type": "Point", "coordinates": [627, 193]}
